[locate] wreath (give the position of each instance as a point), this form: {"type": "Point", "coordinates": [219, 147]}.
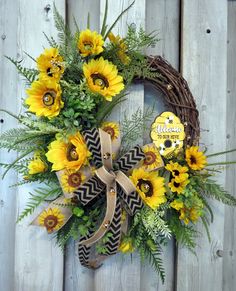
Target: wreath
{"type": "Point", "coordinates": [102, 188]}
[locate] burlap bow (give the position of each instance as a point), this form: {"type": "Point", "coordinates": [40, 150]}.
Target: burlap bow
{"type": "Point", "coordinates": [115, 185]}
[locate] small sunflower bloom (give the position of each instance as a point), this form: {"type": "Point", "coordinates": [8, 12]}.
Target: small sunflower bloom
{"type": "Point", "coordinates": [178, 186]}
{"type": "Point", "coordinates": [190, 214]}
{"type": "Point", "coordinates": [126, 246]}
{"type": "Point", "coordinates": [195, 158]}
{"type": "Point", "coordinates": [102, 78]}
{"type": "Point", "coordinates": [71, 180]}
{"type": "Point", "coordinates": [90, 43]}
{"type": "Point", "coordinates": [152, 158]}
{"type": "Point", "coordinates": [52, 219]}
{"type": "Point", "coordinates": [112, 128]}
{"type": "Point", "coordinates": [71, 154]}
{"type": "Point", "coordinates": [177, 171]}
{"type": "Point", "coordinates": [44, 98]}
{"type": "Point", "coordinates": [50, 64]}
{"type": "Point", "coordinates": [36, 166]}
{"type": "Point", "coordinates": [149, 186]}
{"type": "Point", "coordinates": [122, 48]}
{"type": "Point", "coordinates": [177, 205]}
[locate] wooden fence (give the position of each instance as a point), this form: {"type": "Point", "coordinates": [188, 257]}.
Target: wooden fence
{"type": "Point", "coordinates": [198, 38]}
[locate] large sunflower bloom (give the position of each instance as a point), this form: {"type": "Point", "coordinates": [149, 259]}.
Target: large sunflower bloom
{"type": "Point", "coordinates": [50, 64]}
{"type": "Point", "coordinates": [72, 154]}
{"type": "Point", "coordinates": [90, 43]}
{"type": "Point", "coordinates": [112, 128]}
{"type": "Point", "coordinates": [178, 186]}
{"type": "Point", "coordinates": [177, 171]}
{"type": "Point", "coordinates": [149, 186]}
{"type": "Point", "coordinates": [195, 159]}
{"type": "Point", "coordinates": [71, 180]}
{"type": "Point", "coordinates": [102, 78]}
{"type": "Point", "coordinates": [52, 219]}
{"type": "Point", "coordinates": [152, 158]}
{"type": "Point", "coordinates": [44, 98]}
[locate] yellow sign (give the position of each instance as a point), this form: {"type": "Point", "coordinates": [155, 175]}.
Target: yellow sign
{"type": "Point", "coordinates": [167, 133]}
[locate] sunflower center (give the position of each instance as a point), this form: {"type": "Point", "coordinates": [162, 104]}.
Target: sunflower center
{"type": "Point", "coordinates": [50, 221]}
{"type": "Point", "coordinates": [193, 160]}
{"type": "Point", "coordinates": [176, 172]}
{"type": "Point", "coordinates": [88, 46]}
{"type": "Point", "coordinates": [146, 187]}
{"type": "Point", "coordinates": [176, 184]}
{"type": "Point", "coordinates": [110, 131]}
{"type": "Point", "coordinates": [72, 154]}
{"type": "Point", "coordinates": [150, 158]}
{"type": "Point", "coordinates": [49, 98]}
{"type": "Point", "coordinates": [100, 81]}
{"type": "Point", "coordinates": [74, 180]}
{"type": "Point", "coordinates": [49, 72]}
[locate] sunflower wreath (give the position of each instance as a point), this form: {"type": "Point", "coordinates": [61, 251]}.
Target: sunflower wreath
{"type": "Point", "coordinates": [102, 189]}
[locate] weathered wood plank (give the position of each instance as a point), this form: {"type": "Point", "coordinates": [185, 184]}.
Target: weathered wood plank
{"type": "Point", "coordinates": [79, 9]}
{"type": "Point", "coordinates": [204, 55]}
{"type": "Point", "coordinates": [164, 17]}
{"type": "Point", "coordinates": [78, 278]}
{"type": "Point", "coordinates": [229, 254]}
{"type": "Point", "coordinates": [38, 262]}
{"type": "Point", "coordinates": [8, 85]}
{"type": "Point", "coordinates": [120, 272]}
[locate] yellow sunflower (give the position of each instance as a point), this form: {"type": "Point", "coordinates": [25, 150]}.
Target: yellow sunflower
{"type": "Point", "coordinates": [90, 43]}
{"type": "Point", "coordinates": [36, 166]}
{"type": "Point", "coordinates": [72, 154]}
{"type": "Point", "coordinates": [52, 219]}
{"type": "Point", "coordinates": [177, 171]}
{"type": "Point", "coordinates": [102, 78]}
{"type": "Point", "coordinates": [190, 214]}
{"type": "Point", "coordinates": [195, 159]}
{"type": "Point", "coordinates": [122, 48]}
{"type": "Point", "coordinates": [111, 128]}
{"type": "Point", "coordinates": [44, 98]}
{"type": "Point", "coordinates": [50, 64]}
{"type": "Point", "coordinates": [176, 204]}
{"type": "Point", "coordinates": [149, 186]}
{"type": "Point", "coordinates": [152, 159]}
{"type": "Point", "coordinates": [71, 180]}
{"type": "Point", "coordinates": [126, 245]}
{"type": "Point", "coordinates": [178, 186]}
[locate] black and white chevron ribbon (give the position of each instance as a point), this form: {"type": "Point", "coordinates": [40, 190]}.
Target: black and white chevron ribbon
{"type": "Point", "coordinates": [94, 186]}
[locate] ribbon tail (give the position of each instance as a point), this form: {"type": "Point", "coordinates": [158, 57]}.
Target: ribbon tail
{"type": "Point", "coordinates": [133, 201]}
{"type": "Point", "coordinates": [111, 195]}
{"type": "Point", "coordinates": [113, 243]}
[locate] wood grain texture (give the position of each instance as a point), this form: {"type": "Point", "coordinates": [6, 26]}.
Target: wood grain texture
{"type": "Point", "coordinates": [38, 262]}
{"type": "Point", "coordinates": [164, 17]}
{"type": "Point", "coordinates": [229, 254]}
{"type": "Point", "coordinates": [120, 273]}
{"type": "Point", "coordinates": [79, 10]}
{"type": "Point", "coordinates": [77, 277]}
{"type": "Point", "coordinates": [8, 85]}
{"type": "Point", "coordinates": [204, 55]}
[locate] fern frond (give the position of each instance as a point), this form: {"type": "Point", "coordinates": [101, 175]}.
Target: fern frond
{"type": "Point", "coordinates": [51, 41]}
{"type": "Point", "coordinates": [212, 190]}
{"type": "Point", "coordinates": [29, 74]}
{"type": "Point", "coordinates": [40, 195]}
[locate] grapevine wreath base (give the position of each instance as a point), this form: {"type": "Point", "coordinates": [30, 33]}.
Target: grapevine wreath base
{"type": "Point", "coordinates": [101, 188]}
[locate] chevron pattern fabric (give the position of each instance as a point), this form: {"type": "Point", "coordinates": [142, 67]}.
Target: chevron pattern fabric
{"type": "Point", "coordinates": [115, 229]}
{"type": "Point", "coordinates": [89, 190]}
{"type": "Point", "coordinates": [84, 251]}
{"type": "Point", "coordinates": [133, 200]}
{"type": "Point", "coordinates": [130, 159]}
{"type": "Point", "coordinates": [92, 139]}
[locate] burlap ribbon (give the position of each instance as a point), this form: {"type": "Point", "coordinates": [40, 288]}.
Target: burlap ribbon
{"type": "Point", "coordinates": [117, 188]}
